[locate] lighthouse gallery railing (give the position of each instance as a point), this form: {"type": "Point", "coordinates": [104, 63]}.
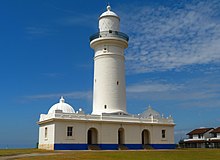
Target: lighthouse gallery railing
{"type": "Point", "coordinates": [109, 34]}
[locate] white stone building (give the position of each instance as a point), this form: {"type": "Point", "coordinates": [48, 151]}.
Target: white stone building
{"type": "Point", "coordinates": [109, 126]}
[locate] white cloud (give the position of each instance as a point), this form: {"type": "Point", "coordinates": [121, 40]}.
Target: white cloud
{"type": "Point", "coordinates": [164, 38]}
{"type": "Point", "coordinates": [150, 86]}
{"type": "Point", "coordinates": [195, 92]}
{"type": "Point", "coordinates": [71, 95]}
{"type": "Point", "coordinates": [86, 20]}
{"type": "Point", "coordinates": [39, 30]}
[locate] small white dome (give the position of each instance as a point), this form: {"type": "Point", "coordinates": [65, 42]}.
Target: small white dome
{"type": "Point", "coordinates": [150, 112]}
{"type": "Point", "coordinates": [109, 13]}
{"type": "Point", "coordinates": [66, 108]}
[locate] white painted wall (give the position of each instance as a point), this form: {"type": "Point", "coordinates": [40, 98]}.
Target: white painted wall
{"type": "Point", "coordinates": [109, 23]}
{"type": "Point", "coordinates": [78, 132]}
{"type": "Point", "coordinates": [109, 84]}
{"type": "Point", "coordinates": [207, 134]}
{"type": "Point", "coordinates": [107, 133]}
{"type": "Point", "coordinates": [156, 136]}
{"type": "Point", "coordinates": [46, 142]}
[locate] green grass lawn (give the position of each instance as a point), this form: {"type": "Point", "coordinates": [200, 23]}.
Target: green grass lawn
{"type": "Point", "coordinates": [180, 154]}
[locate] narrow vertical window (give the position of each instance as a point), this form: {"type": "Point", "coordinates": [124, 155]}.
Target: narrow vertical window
{"type": "Point", "coordinates": [105, 48]}
{"type": "Point", "coordinates": [117, 82]}
{"type": "Point", "coordinates": [163, 133]}
{"type": "Point", "coordinates": [45, 132]}
{"type": "Point", "coordinates": [105, 106]}
{"type": "Point", "coordinates": [69, 131]}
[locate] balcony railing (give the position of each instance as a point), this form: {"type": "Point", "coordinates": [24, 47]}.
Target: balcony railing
{"type": "Point", "coordinates": [114, 118]}
{"type": "Point", "coordinates": [109, 34]}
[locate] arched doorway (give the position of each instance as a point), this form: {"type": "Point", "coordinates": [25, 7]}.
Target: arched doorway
{"type": "Point", "coordinates": [121, 136]}
{"type": "Point", "coordinates": [92, 136]}
{"type": "Point", "coordinates": [145, 137]}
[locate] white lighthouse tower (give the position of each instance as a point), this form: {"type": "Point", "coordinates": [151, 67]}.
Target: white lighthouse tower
{"type": "Point", "coordinates": [109, 93]}
{"type": "Point", "coordinates": [109, 127]}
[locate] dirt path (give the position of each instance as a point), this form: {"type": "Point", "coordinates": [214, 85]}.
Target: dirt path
{"type": "Point", "coordinates": [27, 155]}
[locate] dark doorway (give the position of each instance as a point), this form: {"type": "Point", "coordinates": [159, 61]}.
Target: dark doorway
{"type": "Point", "coordinates": [145, 136]}
{"type": "Point", "coordinates": [92, 136]}
{"type": "Point", "coordinates": [121, 136]}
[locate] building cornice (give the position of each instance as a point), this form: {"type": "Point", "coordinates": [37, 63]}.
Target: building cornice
{"type": "Point", "coordinates": [106, 119]}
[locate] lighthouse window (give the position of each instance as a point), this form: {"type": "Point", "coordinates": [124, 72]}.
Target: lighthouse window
{"type": "Point", "coordinates": [117, 82]}
{"type": "Point", "coordinates": [69, 131]}
{"type": "Point", "coordinates": [105, 106]}
{"type": "Point", "coordinates": [45, 132]}
{"type": "Point", "coordinates": [163, 133]}
{"type": "Point", "coordinates": [105, 49]}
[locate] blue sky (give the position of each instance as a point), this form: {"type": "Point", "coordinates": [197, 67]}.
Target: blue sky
{"type": "Point", "coordinates": [172, 62]}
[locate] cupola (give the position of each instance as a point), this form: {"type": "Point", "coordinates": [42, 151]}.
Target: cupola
{"type": "Point", "coordinates": [61, 106]}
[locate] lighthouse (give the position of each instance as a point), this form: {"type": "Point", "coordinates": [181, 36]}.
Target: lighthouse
{"type": "Point", "coordinates": [109, 126]}
{"type": "Point", "coordinates": [109, 90]}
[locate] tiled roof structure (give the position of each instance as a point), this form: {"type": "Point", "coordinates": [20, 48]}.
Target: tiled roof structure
{"type": "Point", "coordinates": [199, 131]}
{"type": "Point", "coordinates": [217, 130]}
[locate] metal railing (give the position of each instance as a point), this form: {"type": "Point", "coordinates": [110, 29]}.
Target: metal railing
{"type": "Point", "coordinates": [128, 118]}
{"type": "Point", "coordinates": [109, 33]}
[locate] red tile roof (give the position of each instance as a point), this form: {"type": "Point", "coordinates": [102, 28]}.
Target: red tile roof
{"type": "Point", "coordinates": [217, 130]}
{"type": "Point", "coordinates": [199, 131]}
